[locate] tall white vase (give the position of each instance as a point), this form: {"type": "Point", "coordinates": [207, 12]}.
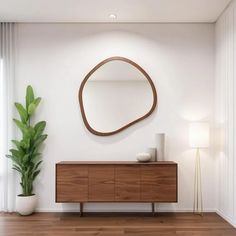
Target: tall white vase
{"type": "Point", "coordinates": [160, 145]}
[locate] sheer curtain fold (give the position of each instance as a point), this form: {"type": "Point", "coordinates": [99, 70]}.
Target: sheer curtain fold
{"type": "Point", "coordinates": [7, 65]}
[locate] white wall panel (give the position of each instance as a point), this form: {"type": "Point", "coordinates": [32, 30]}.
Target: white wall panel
{"type": "Point", "coordinates": [225, 112]}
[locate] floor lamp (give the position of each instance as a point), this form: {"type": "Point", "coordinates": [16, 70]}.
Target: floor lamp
{"type": "Point", "coordinates": [198, 138]}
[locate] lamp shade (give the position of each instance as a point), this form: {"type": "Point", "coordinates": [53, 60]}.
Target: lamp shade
{"type": "Point", "coordinates": [199, 135]}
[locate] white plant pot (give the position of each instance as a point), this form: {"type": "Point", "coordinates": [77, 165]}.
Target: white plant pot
{"type": "Point", "coordinates": [25, 205]}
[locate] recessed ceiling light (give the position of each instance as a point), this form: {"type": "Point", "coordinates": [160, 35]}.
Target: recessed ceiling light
{"type": "Point", "coordinates": [113, 16]}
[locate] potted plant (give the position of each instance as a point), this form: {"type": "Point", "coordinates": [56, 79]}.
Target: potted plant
{"type": "Point", "coordinates": [26, 156]}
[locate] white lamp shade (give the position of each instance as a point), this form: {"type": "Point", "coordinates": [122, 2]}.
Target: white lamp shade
{"type": "Point", "coordinates": [199, 135]}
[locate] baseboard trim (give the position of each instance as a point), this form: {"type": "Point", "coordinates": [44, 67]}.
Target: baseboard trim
{"type": "Point", "coordinates": [120, 210]}
{"type": "Point", "coordinates": [228, 219]}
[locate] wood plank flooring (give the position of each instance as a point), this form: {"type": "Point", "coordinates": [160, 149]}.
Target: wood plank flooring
{"type": "Point", "coordinates": [67, 224]}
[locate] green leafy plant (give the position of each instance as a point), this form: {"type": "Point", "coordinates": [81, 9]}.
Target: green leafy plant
{"type": "Point", "coordinates": [25, 156]}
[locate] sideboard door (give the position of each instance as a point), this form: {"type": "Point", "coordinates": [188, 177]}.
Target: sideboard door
{"type": "Point", "coordinates": [71, 183]}
{"type": "Point", "coordinates": [101, 183]}
{"type": "Point", "coordinates": [159, 183]}
{"type": "Point", "coordinates": [127, 183]}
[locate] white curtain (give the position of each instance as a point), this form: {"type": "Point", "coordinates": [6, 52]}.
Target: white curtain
{"type": "Point", "coordinates": [7, 65]}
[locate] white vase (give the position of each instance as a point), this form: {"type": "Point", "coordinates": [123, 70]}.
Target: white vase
{"type": "Point", "coordinates": [143, 157]}
{"type": "Point", "coordinates": [160, 142]}
{"type": "Point", "coordinates": [152, 152]}
{"type": "Point", "coordinates": [25, 205]}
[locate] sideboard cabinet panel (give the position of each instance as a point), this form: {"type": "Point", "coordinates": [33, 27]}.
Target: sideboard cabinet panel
{"type": "Point", "coordinates": [71, 183]}
{"type": "Point", "coordinates": [127, 183]}
{"type": "Point", "coordinates": [159, 183]}
{"type": "Point", "coordinates": [101, 183]}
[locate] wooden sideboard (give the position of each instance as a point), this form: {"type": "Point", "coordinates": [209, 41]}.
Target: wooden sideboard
{"type": "Point", "coordinates": [116, 182]}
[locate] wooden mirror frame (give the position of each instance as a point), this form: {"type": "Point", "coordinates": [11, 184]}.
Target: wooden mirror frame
{"type": "Point", "coordinates": [131, 123]}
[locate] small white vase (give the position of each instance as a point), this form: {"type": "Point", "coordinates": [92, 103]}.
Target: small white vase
{"type": "Point", "coordinates": [25, 205]}
{"type": "Point", "coordinates": [153, 153]}
{"type": "Point", "coordinates": [143, 157]}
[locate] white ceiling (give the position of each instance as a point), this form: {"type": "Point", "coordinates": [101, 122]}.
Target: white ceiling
{"type": "Point", "coordinates": [99, 10]}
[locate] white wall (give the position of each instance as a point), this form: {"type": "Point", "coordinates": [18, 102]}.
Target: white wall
{"type": "Point", "coordinates": [225, 112]}
{"type": "Point", "coordinates": [54, 58]}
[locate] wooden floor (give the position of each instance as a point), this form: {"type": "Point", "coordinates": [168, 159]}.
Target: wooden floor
{"type": "Point", "coordinates": [66, 224]}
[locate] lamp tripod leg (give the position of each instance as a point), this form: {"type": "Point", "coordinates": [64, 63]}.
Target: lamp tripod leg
{"type": "Point", "coordinates": [198, 202]}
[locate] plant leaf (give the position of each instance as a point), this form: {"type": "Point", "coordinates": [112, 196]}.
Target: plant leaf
{"type": "Point", "coordinates": [35, 174]}
{"type": "Point", "coordinates": [20, 125]}
{"type": "Point", "coordinates": [32, 107]}
{"type": "Point", "coordinates": [39, 128]}
{"type": "Point", "coordinates": [25, 158]}
{"type": "Point", "coordinates": [37, 165]}
{"type": "Point", "coordinates": [22, 112]}
{"type": "Point", "coordinates": [19, 145]}
{"type": "Point", "coordinates": [17, 168]}
{"type": "Point", "coordinates": [29, 96]}
{"type": "Point", "coordinates": [37, 101]}
{"type": "Point", "coordinates": [14, 159]}
{"type": "Point", "coordinates": [25, 142]}
{"type": "Point", "coordinates": [9, 156]}
{"type": "Point", "coordinates": [39, 140]}
{"type": "Point", "coordinates": [34, 155]}
{"type": "Point", "coordinates": [17, 153]}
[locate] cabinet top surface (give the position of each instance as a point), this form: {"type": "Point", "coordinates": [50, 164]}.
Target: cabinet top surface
{"type": "Point", "coordinates": [116, 163]}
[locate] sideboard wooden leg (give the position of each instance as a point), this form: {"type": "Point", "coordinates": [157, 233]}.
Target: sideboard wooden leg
{"type": "Point", "coordinates": [153, 208]}
{"type": "Point", "coordinates": [81, 208]}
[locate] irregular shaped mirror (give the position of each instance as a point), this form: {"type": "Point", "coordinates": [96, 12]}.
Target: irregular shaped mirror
{"type": "Point", "coordinates": [116, 94]}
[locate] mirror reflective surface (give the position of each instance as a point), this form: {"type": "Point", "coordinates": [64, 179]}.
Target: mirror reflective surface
{"type": "Point", "coordinates": [114, 95]}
